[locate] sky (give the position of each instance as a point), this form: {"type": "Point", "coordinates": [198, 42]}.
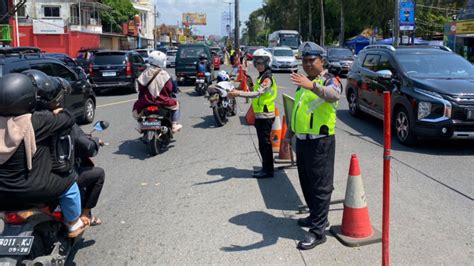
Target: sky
{"type": "Point", "coordinates": [171, 11]}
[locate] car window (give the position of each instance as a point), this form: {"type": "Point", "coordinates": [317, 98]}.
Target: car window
{"type": "Point", "coordinates": [171, 53]}
{"type": "Point", "coordinates": [282, 53]}
{"type": "Point", "coordinates": [143, 53]}
{"type": "Point", "coordinates": [191, 52]}
{"type": "Point", "coordinates": [44, 67]}
{"type": "Point", "coordinates": [385, 64]}
{"type": "Point", "coordinates": [109, 59]}
{"type": "Point", "coordinates": [138, 59]}
{"type": "Point", "coordinates": [61, 71]}
{"type": "Point", "coordinates": [371, 62]}
{"type": "Point", "coordinates": [69, 62]}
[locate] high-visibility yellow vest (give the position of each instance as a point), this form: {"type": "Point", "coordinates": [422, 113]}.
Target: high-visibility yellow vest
{"type": "Point", "coordinates": [267, 99]}
{"type": "Point", "coordinates": [310, 113]}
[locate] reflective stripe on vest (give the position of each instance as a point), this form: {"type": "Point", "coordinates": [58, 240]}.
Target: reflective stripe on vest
{"type": "Point", "coordinates": [310, 113]}
{"type": "Point", "coordinates": [266, 99]}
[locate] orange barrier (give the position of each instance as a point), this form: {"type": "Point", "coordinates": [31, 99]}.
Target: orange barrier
{"type": "Point", "coordinates": [250, 117]}
{"type": "Point", "coordinates": [356, 229]}
{"type": "Point", "coordinates": [276, 132]}
{"type": "Point", "coordinates": [284, 156]}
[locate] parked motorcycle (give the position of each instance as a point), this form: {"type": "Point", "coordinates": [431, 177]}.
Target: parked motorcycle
{"type": "Point", "coordinates": [156, 128]}
{"type": "Point", "coordinates": [222, 105]}
{"type": "Point", "coordinates": [202, 82]}
{"type": "Point", "coordinates": [37, 236]}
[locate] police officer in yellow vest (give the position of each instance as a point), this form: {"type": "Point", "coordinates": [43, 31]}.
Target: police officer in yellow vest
{"type": "Point", "coordinates": [264, 94]}
{"type": "Point", "coordinates": [313, 122]}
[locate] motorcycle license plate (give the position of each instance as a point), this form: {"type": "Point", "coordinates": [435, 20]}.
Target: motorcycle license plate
{"type": "Point", "coordinates": [15, 245]}
{"type": "Point", "coordinates": [109, 74]}
{"type": "Point", "coordinates": [199, 81]}
{"type": "Point", "coordinates": [151, 124]}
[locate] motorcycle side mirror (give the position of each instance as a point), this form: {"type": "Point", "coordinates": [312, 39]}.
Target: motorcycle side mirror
{"type": "Point", "coordinates": [101, 125]}
{"type": "Point", "coordinates": [384, 74]}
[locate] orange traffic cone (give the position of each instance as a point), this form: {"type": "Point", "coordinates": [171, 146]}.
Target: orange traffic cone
{"type": "Point", "coordinates": [284, 156]}
{"type": "Point", "coordinates": [276, 132]}
{"type": "Point", "coordinates": [250, 117]}
{"type": "Point", "coordinates": [240, 76]}
{"type": "Point", "coordinates": [356, 229]}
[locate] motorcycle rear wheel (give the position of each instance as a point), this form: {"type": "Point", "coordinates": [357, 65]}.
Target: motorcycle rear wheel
{"type": "Point", "coordinates": [220, 115]}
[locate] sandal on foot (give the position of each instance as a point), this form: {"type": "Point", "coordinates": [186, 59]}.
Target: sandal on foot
{"type": "Point", "coordinates": [95, 221]}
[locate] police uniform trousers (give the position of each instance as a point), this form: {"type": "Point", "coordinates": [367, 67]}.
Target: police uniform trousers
{"type": "Point", "coordinates": [315, 159]}
{"type": "Point", "coordinates": [264, 131]}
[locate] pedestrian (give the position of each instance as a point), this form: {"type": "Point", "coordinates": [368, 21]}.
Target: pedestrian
{"type": "Point", "coordinates": [264, 94]}
{"type": "Point", "coordinates": [313, 121]}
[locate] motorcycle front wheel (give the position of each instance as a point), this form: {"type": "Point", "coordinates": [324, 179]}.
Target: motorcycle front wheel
{"type": "Point", "coordinates": [154, 144]}
{"type": "Point", "coordinates": [220, 115]}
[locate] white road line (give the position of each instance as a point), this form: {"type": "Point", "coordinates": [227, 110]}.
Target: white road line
{"type": "Point", "coordinates": [115, 103]}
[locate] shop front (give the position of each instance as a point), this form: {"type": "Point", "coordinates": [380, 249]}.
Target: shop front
{"type": "Point", "coordinates": [459, 36]}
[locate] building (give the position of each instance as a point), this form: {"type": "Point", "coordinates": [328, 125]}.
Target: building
{"type": "Point", "coordinates": [147, 18]}
{"type": "Point", "coordinates": [459, 34]}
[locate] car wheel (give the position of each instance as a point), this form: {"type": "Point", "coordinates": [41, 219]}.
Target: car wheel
{"type": "Point", "coordinates": [134, 87]}
{"type": "Point", "coordinates": [403, 127]}
{"type": "Point", "coordinates": [89, 111]}
{"type": "Point", "coordinates": [353, 105]}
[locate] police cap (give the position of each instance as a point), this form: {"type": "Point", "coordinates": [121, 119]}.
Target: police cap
{"type": "Point", "coordinates": [310, 49]}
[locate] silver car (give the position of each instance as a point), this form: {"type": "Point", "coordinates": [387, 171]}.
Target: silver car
{"type": "Point", "coordinates": [283, 59]}
{"type": "Point", "coordinates": [171, 58]}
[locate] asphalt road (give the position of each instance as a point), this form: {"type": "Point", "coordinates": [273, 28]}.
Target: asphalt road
{"type": "Point", "coordinates": [197, 204]}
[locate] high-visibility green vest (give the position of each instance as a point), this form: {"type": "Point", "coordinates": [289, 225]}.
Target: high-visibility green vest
{"type": "Point", "coordinates": [267, 99]}
{"type": "Point", "coordinates": [310, 113]}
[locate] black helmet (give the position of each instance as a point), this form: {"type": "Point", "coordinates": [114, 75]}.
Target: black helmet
{"type": "Point", "coordinates": [203, 56]}
{"type": "Point", "coordinates": [17, 95]}
{"type": "Point", "coordinates": [50, 90]}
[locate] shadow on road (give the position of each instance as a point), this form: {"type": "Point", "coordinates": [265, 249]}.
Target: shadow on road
{"type": "Point", "coordinates": [135, 149]}
{"type": "Point", "coordinates": [226, 174]}
{"type": "Point", "coordinates": [80, 245]}
{"type": "Point", "coordinates": [207, 122]}
{"type": "Point", "coordinates": [372, 128]}
{"type": "Point", "coordinates": [270, 227]}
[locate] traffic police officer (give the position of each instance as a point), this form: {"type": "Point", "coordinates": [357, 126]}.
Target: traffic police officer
{"type": "Point", "coordinates": [313, 122]}
{"type": "Point", "coordinates": [264, 94]}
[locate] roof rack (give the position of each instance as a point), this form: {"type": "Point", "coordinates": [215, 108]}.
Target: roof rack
{"type": "Point", "coordinates": [441, 47]}
{"type": "Point", "coordinates": [384, 46]}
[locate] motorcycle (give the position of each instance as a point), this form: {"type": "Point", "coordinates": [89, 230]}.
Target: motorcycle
{"type": "Point", "coordinates": [37, 236]}
{"type": "Point", "coordinates": [222, 105]}
{"type": "Point", "coordinates": [202, 83]}
{"type": "Point", "coordinates": [156, 128]}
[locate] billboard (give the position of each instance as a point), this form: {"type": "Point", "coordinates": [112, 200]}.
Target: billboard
{"type": "Point", "coordinates": [48, 26]}
{"type": "Point", "coordinates": [194, 19]}
{"type": "Point", "coordinates": [407, 15]}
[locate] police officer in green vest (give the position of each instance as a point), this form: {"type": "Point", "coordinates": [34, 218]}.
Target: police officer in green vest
{"type": "Point", "coordinates": [264, 94]}
{"type": "Point", "coordinates": [313, 121]}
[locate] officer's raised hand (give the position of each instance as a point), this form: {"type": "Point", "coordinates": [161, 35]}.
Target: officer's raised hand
{"type": "Point", "coordinates": [301, 80]}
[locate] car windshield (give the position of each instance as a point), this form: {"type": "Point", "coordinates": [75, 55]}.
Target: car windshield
{"type": "Point", "coordinates": [173, 53]}
{"type": "Point", "coordinates": [143, 53]}
{"type": "Point", "coordinates": [340, 53]}
{"type": "Point", "coordinates": [191, 52]}
{"type": "Point", "coordinates": [289, 40]}
{"type": "Point", "coordinates": [282, 53]}
{"type": "Point", "coordinates": [435, 65]}
{"type": "Point", "coordinates": [109, 59]}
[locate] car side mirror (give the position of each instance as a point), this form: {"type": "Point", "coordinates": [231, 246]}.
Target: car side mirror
{"type": "Point", "coordinates": [384, 74]}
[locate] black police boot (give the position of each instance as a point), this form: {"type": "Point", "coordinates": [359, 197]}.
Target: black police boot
{"type": "Point", "coordinates": [310, 241]}
{"type": "Point", "coordinates": [262, 174]}
{"type": "Point", "coordinates": [257, 171]}
{"type": "Point", "coordinates": [306, 222]}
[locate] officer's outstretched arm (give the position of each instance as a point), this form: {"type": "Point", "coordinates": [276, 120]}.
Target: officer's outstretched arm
{"type": "Point", "coordinates": [330, 93]}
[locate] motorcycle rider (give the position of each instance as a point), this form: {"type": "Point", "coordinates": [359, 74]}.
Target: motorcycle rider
{"type": "Point", "coordinates": [264, 94]}
{"type": "Point", "coordinates": [204, 66]}
{"type": "Point", "coordinates": [26, 135]}
{"type": "Point", "coordinates": [156, 88]}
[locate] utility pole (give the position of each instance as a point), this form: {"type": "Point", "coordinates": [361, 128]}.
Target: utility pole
{"type": "Point", "coordinates": [323, 27]}
{"type": "Point", "coordinates": [154, 27]}
{"type": "Point", "coordinates": [341, 30]}
{"type": "Point", "coordinates": [310, 34]}
{"type": "Point", "coordinates": [299, 16]}
{"type": "Point", "coordinates": [396, 23]}
{"type": "Point", "coordinates": [237, 30]}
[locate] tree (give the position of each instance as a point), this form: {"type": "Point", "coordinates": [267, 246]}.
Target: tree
{"type": "Point", "coordinates": [122, 11]}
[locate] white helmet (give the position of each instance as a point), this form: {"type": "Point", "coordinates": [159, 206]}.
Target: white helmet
{"type": "Point", "coordinates": [222, 76]}
{"type": "Point", "coordinates": [157, 58]}
{"type": "Point", "coordinates": [262, 56]}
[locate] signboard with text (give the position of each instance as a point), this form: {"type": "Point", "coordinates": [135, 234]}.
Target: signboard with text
{"type": "Point", "coordinates": [190, 19]}
{"type": "Point", "coordinates": [48, 26]}
{"type": "Point", "coordinates": [407, 15]}
{"type": "Point", "coordinates": [465, 27]}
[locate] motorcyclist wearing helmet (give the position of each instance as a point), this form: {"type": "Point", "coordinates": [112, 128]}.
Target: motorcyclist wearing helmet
{"type": "Point", "coordinates": [203, 65]}
{"type": "Point", "coordinates": [26, 177]}
{"type": "Point", "coordinates": [264, 94]}
{"type": "Point", "coordinates": [157, 87]}
{"type": "Point", "coordinates": [222, 76]}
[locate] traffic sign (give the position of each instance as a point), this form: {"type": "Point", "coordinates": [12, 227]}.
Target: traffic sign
{"type": "Point", "coordinates": [407, 15]}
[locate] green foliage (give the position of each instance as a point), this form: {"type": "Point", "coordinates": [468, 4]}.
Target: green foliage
{"type": "Point", "coordinates": [122, 11]}
{"type": "Point", "coordinates": [358, 15]}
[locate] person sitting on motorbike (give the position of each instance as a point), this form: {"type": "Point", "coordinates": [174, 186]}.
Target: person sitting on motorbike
{"type": "Point", "coordinates": [204, 66]}
{"type": "Point", "coordinates": [90, 178]}
{"type": "Point", "coordinates": [26, 178]}
{"type": "Point", "coordinates": [155, 87]}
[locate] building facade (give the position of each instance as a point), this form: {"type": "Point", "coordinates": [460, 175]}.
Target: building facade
{"type": "Point", "coordinates": [146, 12]}
{"type": "Point", "coordinates": [459, 34]}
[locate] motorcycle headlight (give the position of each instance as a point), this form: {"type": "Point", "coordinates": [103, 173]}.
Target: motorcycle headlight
{"type": "Point", "coordinates": [424, 109]}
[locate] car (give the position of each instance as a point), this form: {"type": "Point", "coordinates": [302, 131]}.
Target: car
{"type": "Point", "coordinates": [339, 60]}
{"type": "Point", "coordinates": [67, 60]}
{"type": "Point", "coordinates": [81, 101]}
{"type": "Point", "coordinates": [250, 51]}
{"type": "Point", "coordinates": [145, 53]}
{"type": "Point", "coordinates": [432, 90]}
{"type": "Point", "coordinates": [116, 69]}
{"type": "Point", "coordinates": [84, 55]}
{"type": "Point", "coordinates": [186, 60]}
{"type": "Point", "coordinates": [162, 49]}
{"type": "Point", "coordinates": [219, 52]}
{"type": "Point", "coordinates": [216, 61]}
{"type": "Point", "coordinates": [171, 58]}
{"type": "Point", "coordinates": [283, 59]}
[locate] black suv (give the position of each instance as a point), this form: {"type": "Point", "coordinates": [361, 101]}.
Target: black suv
{"type": "Point", "coordinates": [115, 69]}
{"type": "Point", "coordinates": [81, 102]}
{"type": "Point", "coordinates": [432, 90]}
